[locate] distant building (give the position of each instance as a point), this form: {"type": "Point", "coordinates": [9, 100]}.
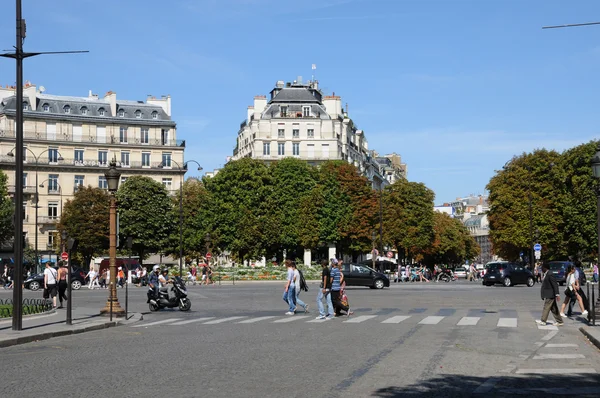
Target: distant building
{"type": "Point", "coordinates": [479, 228]}
{"type": "Point", "coordinates": [297, 120]}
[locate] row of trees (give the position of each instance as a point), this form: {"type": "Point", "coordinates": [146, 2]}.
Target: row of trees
{"type": "Point", "coordinates": [562, 192]}
{"type": "Point", "coordinates": [252, 210]}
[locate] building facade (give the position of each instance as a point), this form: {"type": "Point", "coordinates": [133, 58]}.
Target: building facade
{"type": "Point", "coordinates": [298, 120]}
{"type": "Point", "coordinates": [69, 142]}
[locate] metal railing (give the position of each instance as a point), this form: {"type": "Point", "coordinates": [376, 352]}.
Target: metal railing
{"type": "Point", "coordinates": [83, 163]}
{"type": "Point", "coordinates": [30, 306]}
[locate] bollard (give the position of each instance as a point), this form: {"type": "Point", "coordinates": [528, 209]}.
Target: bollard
{"type": "Point", "coordinates": [127, 294]}
{"type": "Point", "coordinates": [111, 305]}
{"type": "Point", "coordinates": [593, 307]}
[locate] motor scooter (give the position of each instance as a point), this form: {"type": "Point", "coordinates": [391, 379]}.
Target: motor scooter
{"type": "Point", "coordinates": [179, 298]}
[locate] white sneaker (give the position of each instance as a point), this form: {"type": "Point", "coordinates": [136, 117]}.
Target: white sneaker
{"type": "Point", "coordinates": [289, 313]}
{"type": "Point", "coordinates": [584, 313]}
{"type": "Point", "coordinates": [320, 317]}
{"type": "Point", "coordinates": [563, 315]}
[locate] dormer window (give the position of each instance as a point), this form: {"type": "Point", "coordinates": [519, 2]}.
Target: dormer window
{"type": "Point", "coordinates": [25, 106]}
{"type": "Point", "coordinates": [284, 111]}
{"type": "Point", "coordinates": [101, 112]}
{"type": "Point", "coordinates": [138, 114]}
{"type": "Point", "coordinates": [121, 113]}
{"type": "Point", "coordinates": [84, 110]}
{"type": "Point", "coordinates": [154, 115]}
{"type": "Point", "coordinates": [46, 108]}
{"type": "Point", "coordinates": [67, 109]}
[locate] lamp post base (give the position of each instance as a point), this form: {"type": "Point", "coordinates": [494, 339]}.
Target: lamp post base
{"type": "Point", "coordinates": [117, 310]}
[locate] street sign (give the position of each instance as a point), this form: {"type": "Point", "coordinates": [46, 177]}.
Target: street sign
{"type": "Point", "coordinates": [64, 256]}
{"type": "Point", "coordinates": [538, 254]}
{"type": "Point", "coordinates": [537, 247]}
{"type": "Point", "coordinates": [208, 256]}
{"type": "Point", "coordinates": [390, 254]}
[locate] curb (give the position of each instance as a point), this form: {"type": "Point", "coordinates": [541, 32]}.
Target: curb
{"type": "Point", "coordinates": [591, 338]}
{"type": "Point", "coordinates": [60, 333]}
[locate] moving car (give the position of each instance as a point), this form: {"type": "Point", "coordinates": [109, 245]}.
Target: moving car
{"type": "Point", "coordinates": [559, 270]}
{"type": "Point", "coordinates": [460, 272]}
{"type": "Point", "coordinates": [36, 281]}
{"type": "Point", "coordinates": [361, 275]}
{"type": "Point", "coordinates": [508, 274]}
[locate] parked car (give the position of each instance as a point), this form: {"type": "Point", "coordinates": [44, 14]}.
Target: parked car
{"type": "Point", "coordinates": [559, 270]}
{"type": "Point", "coordinates": [36, 281]}
{"type": "Point", "coordinates": [508, 274]}
{"type": "Point", "coordinates": [361, 275]}
{"type": "Point", "coordinates": [460, 272]}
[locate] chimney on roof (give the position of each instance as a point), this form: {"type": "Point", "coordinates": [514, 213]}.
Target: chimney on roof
{"type": "Point", "coordinates": [111, 98]}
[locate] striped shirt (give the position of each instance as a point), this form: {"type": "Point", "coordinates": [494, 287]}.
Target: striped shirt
{"type": "Point", "coordinates": [336, 275]}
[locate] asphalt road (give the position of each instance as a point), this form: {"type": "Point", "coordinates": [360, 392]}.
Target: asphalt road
{"type": "Point", "coordinates": [451, 339]}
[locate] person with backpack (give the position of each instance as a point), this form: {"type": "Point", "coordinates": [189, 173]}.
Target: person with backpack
{"type": "Point", "coordinates": [300, 284]}
{"type": "Point", "coordinates": [289, 295]}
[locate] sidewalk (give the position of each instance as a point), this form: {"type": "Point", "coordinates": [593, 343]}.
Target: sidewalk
{"type": "Point", "coordinates": [53, 324]}
{"type": "Point", "coordinates": [592, 333]}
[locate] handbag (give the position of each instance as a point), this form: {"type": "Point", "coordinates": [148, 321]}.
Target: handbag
{"type": "Point", "coordinates": [46, 293]}
{"type": "Point", "coordinates": [569, 293]}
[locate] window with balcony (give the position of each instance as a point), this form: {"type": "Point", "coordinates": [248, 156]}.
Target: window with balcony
{"type": "Point", "coordinates": [102, 183]}
{"type": "Point", "coordinates": [164, 137]}
{"type": "Point", "coordinates": [79, 181]}
{"type": "Point", "coordinates": [310, 133]}
{"type": "Point", "coordinates": [124, 159]}
{"type": "Point", "coordinates": [53, 155]}
{"type": "Point", "coordinates": [53, 183]}
{"type": "Point", "coordinates": [266, 148]}
{"type": "Point", "coordinates": [296, 149]}
{"type": "Point", "coordinates": [53, 210]}
{"type": "Point", "coordinates": [166, 159]}
{"type": "Point", "coordinates": [145, 159]}
{"type": "Point", "coordinates": [101, 112]}
{"type": "Point", "coordinates": [123, 135]}
{"type": "Point", "coordinates": [79, 156]}
{"type": "Point", "coordinates": [102, 157]}
{"type": "Point", "coordinates": [167, 183]}
{"type": "Point", "coordinates": [281, 148]}
{"type": "Point", "coordinates": [306, 111]}
{"type": "Point", "coordinates": [144, 135]}
{"type": "Point", "coordinates": [67, 109]}
{"type": "Point", "coordinates": [295, 133]}
{"type": "Point", "coordinates": [281, 133]}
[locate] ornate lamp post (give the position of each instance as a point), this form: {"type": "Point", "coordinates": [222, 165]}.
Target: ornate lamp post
{"type": "Point", "coordinates": [596, 170]}
{"type": "Point", "coordinates": [112, 304]}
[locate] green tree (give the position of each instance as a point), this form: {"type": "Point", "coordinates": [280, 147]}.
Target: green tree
{"type": "Point", "coordinates": [538, 176]}
{"type": "Point", "coordinates": [146, 214]}
{"type": "Point", "coordinates": [6, 210]}
{"type": "Point", "coordinates": [452, 243]}
{"type": "Point", "coordinates": [408, 218]}
{"type": "Point", "coordinates": [86, 218]}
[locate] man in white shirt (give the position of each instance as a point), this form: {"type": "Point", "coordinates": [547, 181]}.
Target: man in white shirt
{"type": "Point", "coordinates": [50, 283]}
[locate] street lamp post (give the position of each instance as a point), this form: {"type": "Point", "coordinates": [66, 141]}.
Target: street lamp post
{"type": "Point", "coordinates": [37, 196]}
{"type": "Point", "coordinates": [181, 169]}
{"type": "Point", "coordinates": [112, 305]}
{"type": "Point", "coordinates": [381, 221]}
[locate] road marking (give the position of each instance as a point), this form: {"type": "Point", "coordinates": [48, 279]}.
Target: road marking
{"type": "Point", "coordinates": [360, 319]}
{"type": "Point", "coordinates": [396, 319]}
{"type": "Point", "coordinates": [559, 356]}
{"type": "Point", "coordinates": [468, 321]}
{"type": "Point", "coordinates": [317, 321]}
{"type": "Point", "coordinates": [550, 335]}
{"type": "Point", "coordinates": [231, 318]}
{"type": "Point", "coordinates": [550, 345]}
{"type": "Point", "coordinates": [431, 320]}
{"type": "Point", "coordinates": [547, 327]}
{"type": "Point", "coordinates": [192, 321]}
{"type": "Point", "coordinates": [253, 320]}
{"type": "Point", "coordinates": [291, 319]}
{"type": "Point", "coordinates": [556, 371]}
{"type": "Point", "coordinates": [158, 322]}
{"type": "Point", "coordinates": [507, 323]}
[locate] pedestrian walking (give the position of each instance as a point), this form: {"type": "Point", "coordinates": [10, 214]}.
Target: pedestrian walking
{"type": "Point", "coordinates": [571, 292]}
{"type": "Point", "coordinates": [121, 277]}
{"type": "Point", "coordinates": [93, 278]}
{"type": "Point", "coordinates": [551, 296]}
{"type": "Point", "coordinates": [297, 286]}
{"type": "Point", "coordinates": [325, 292]}
{"type": "Point", "coordinates": [103, 278]}
{"type": "Point", "coordinates": [337, 278]}
{"type": "Point", "coordinates": [50, 282]}
{"type": "Point", "coordinates": [595, 273]}
{"type": "Point", "coordinates": [581, 282]}
{"type": "Point", "coordinates": [289, 294]}
{"type": "Point", "coordinates": [62, 283]}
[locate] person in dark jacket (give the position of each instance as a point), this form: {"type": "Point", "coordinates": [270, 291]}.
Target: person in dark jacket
{"type": "Point", "coordinates": [551, 296]}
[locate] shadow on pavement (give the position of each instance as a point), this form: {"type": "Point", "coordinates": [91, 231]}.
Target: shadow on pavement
{"type": "Point", "coordinates": [532, 385]}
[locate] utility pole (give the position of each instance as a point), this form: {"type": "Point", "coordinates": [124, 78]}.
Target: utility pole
{"type": "Point", "coordinates": [19, 56]}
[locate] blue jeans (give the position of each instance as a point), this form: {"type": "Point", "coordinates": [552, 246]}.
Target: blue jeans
{"type": "Point", "coordinates": [290, 298]}
{"type": "Point", "coordinates": [297, 299]}
{"type": "Point", "coordinates": [320, 303]}
{"type": "Point", "coordinates": [595, 278]}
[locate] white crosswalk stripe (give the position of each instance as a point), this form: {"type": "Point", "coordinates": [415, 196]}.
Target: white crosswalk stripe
{"type": "Point", "coordinates": [254, 320]}
{"type": "Point", "coordinates": [290, 319]}
{"type": "Point", "coordinates": [361, 318]}
{"type": "Point", "coordinates": [231, 318]}
{"type": "Point", "coordinates": [559, 356]}
{"type": "Point", "coordinates": [396, 319]}
{"type": "Point", "coordinates": [157, 322]}
{"type": "Point", "coordinates": [192, 321]}
{"type": "Point", "coordinates": [468, 321]}
{"type": "Point", "coordinates": [431, 320]}
{"type": "Point", "coordinates": [507, 323]}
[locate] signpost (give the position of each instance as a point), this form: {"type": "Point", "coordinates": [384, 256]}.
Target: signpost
{"type": "Point", "coordinates": [538, 251]}
{"type": "Point", "coordinates": [64, 256]}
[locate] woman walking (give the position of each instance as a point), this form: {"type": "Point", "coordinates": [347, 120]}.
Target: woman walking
{"type": "Point", "coordinates": [62, 283]}
{"type": "Point", "coordinates": [571, 292]}
{"type": "Point", "coordinates": [297, 288]}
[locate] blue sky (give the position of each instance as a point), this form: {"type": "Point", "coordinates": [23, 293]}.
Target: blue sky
{"type": "Point", "coordinates": [456, 87]}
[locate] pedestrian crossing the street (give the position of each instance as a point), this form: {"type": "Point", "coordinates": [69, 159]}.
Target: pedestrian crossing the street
{"type": "Point", "coordinates": [506, 319]}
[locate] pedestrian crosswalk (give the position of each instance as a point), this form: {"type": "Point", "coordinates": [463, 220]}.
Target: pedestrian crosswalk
{"type": "Point", "coordinates": [507, 319]}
